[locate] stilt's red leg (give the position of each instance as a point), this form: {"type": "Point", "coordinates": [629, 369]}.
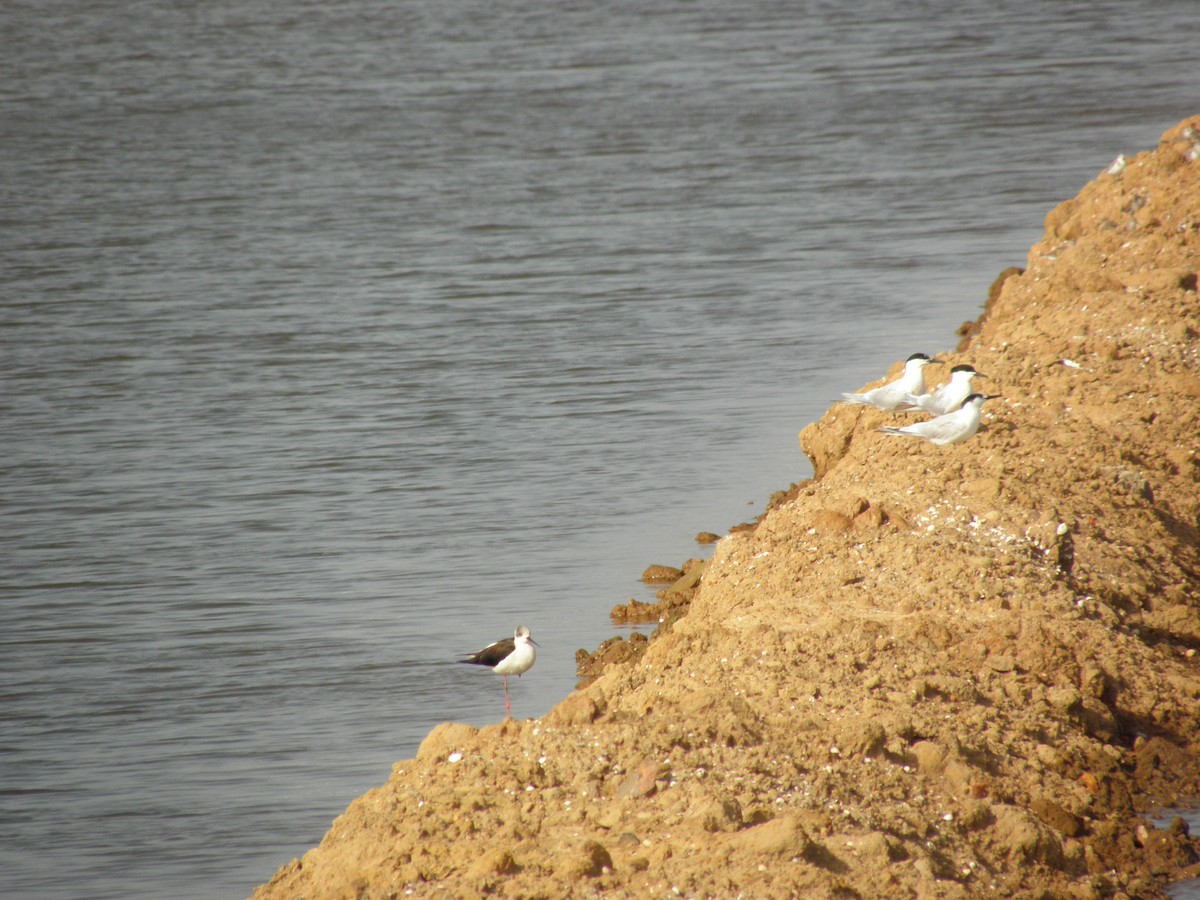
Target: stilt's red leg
{"type": "Point", "coordinates": [507, 708]}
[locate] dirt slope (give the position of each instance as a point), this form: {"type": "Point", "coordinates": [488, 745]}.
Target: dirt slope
{"type": "Point", "coordinates": [932, 671]}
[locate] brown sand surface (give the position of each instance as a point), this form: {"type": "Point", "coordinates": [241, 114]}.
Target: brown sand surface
{"type": "Point", "coordinates": [960, 671]}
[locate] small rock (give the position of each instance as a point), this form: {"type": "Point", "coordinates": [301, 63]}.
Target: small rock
{"type": "Point", "coordinates": [880, 848]}
{"type": "Point", "coordinates": [723, 815]}
{"type": "Point", "coordinates": [494, 862]}
{"type": "Point", "coordinates": [1023, 837]}
{"type": "Point", "coordinates": [930, 757]}
{"type": "Point", "coordinates": [1050, 758]}
{"type": "Point", "coordinates": [707, 537]}
{"type": "Point", "coordinates": [959, 776]}
{"type": "Point", "coordinates": [1001, 663]}
{"type": "Point", "coordinates": [657, 574]}
{"type": "Point", "coordinates": [685, 584]}
{"type": "Point", "coordinates": [1064, 699]}
{"type": "Point", "coordinates": [870, 517]}
{"type": "Point", "coordinates": [635, 611]}
{"type": "Point", "coordinates": [783, 837]}
{"type": "Point", "coordinates": [1057, 817]}
{"type": "Point", "coordinates": [640, 782]}
{"type": "Point", "coordinates": [976, 815]}
{"type": "Point", "coordinates": [1133, 484]}
{"type": "Point", "coordinates": [608, 817]}
{"type": "Point", "coordinates": [831, 521]}
{"type": "Point", "coordinates": [859, 736]}
{"type": "Point", "coordinates": [589, 861]}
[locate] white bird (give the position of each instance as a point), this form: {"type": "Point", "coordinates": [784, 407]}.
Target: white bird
{"type": "Point", "coordinates": [949, 396]}
{"type": "Point", "coordinates": [893, 394]}
{"type": "Point", "coordinates": [510, 656]}
{"type": "Point", "coordinates": [948, 429]}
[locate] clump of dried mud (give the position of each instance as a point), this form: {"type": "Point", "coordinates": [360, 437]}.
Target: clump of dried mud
{"type": "Point", "coordinates": [931, 671]}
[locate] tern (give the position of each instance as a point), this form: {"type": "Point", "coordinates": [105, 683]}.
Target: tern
{"type": "Point", "coordinates": [894, 393]}
{"type": "Point", "coordinates": [948, 429]}
{"type": "Point", "coordinates": [510, 656]}
{"type": "Point", "coordinates": [949, 396]}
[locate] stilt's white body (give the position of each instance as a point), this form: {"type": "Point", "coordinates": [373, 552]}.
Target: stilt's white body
{"type": "Point", "coordinates": [948, 429]}
{"type": "Point", "coordinates": [895, 393]}
{"type": "Point", "coordinates": [950, 396]}
{"type": "Point", "coordinates": [522, 657]}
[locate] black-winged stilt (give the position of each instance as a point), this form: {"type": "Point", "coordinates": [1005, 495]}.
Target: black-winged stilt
{"type": "Point", "coordinates": [511, 656]}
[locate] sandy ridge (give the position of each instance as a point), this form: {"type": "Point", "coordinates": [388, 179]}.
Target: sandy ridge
{"type": "Point", "coordinates": [931, 671]}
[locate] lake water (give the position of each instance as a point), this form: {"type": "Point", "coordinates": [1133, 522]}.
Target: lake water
{"type": "Point", "coordinates": [337, 339]}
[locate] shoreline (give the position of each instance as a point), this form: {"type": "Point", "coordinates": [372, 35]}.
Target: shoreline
{"type": "Point", "coordinates": [928, 671]}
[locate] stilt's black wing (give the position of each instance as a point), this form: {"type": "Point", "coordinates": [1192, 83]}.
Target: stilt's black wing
{"type": "Point", "coordinates": [492, 654]}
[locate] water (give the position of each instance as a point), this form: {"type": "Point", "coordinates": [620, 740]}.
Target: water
{"type": "Point", "coordinates": [337, 339]}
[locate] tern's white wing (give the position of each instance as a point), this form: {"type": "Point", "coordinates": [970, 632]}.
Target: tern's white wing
{"type": "Point", "coordinates": [945, 429]}
{"type": "Point", "coordinates": [887, 397]}
{"type": "Point", "coordinates": [948, 429]}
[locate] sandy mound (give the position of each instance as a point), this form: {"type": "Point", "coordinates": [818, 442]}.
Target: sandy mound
{"type": "Point", "coordinates": [932, 671]}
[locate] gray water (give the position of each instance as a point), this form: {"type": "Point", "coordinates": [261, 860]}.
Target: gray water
{"type": "Point", "coordinates": [338, 339]}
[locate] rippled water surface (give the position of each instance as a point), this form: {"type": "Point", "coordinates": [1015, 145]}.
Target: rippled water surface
{"type": "Point", "coordinates": [337, 339]}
